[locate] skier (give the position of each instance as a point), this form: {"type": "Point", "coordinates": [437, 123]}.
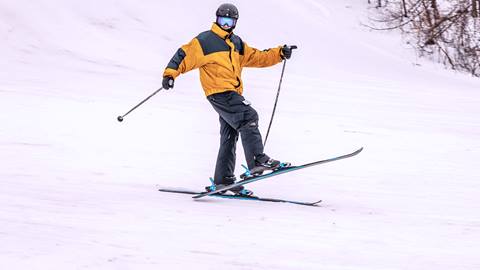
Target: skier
{"type": "Point", "coordinates": [221, 55]}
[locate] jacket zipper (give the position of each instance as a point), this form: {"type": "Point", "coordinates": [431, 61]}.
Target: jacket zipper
{"type": "Point", "coordinates": [233, 66]}
{"type": "Point", "coordinates": [231, 60]}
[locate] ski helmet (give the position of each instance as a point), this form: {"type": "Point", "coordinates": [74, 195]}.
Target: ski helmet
{"type": "Point", "coordinates": [227, 16]}
{"type": "Point", "coordinates": [227, 10]}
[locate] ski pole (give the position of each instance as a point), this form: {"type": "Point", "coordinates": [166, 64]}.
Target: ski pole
{"type": "Point", "coordinates": [120, 118]}
{"type": "Point", "coordinates": [276, 99]}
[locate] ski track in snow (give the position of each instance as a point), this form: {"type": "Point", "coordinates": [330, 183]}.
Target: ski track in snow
{"type": "Point", "coordinates": [79, 190]}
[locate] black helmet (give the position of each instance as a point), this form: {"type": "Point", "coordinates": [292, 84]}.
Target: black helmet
{"type": "Point", "coordinates": [227, 10]}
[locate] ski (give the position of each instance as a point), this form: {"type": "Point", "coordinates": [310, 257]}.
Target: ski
{"type": "Point", "coordinates": [274, 173]}
{"type": "Point", "coordinates": [238, 197]}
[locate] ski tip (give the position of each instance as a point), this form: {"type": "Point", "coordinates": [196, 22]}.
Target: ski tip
{"type": "Point", "coordinates": [316, 203]}
{"type": "Point", "coordinates": [358, 151]}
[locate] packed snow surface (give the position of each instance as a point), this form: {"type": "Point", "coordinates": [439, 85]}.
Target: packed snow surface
{"type": "Point", "coordinates": [79, 189]}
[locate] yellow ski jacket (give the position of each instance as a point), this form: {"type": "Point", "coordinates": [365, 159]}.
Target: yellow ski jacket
{"type": "Point", "coordinates": [220, 56]}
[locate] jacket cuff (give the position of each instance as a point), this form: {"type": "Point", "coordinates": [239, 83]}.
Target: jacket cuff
{"type": "Point", "coordinates": [169, 72]}
{"type": "Point", "coordinates": [281, 52]}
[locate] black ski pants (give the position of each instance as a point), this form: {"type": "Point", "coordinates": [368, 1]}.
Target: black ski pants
{"type": "Point", "coordinates": [237, 117]}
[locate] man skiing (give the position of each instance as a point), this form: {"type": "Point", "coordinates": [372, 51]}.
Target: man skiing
{"type": "Point", "coordinates": [220, 55]}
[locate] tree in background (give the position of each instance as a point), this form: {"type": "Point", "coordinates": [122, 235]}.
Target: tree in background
{"type": "Point", "coordinates": [475, 6]}
{"type": "Point", "coordinates": [447, 31]}
{"type": "Point", "coordinates": [379, 3]}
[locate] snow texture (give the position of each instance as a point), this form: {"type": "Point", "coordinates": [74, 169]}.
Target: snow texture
{"type": "Point", "coordinates": [79, 189]}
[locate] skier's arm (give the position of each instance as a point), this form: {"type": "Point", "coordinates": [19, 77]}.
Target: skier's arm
{"type": "Point", "coordinates": [257, 58]}
{"type": "Point", "coordinates": [188, 57]}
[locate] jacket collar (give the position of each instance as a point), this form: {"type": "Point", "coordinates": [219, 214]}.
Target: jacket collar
{"type": "Point", "coordinates": [220, 32]}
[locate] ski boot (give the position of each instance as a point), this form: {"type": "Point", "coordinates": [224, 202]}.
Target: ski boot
{"type": "Point", "coordinates": [237, 191]}
{"type": "Point", "coordinates": [263, 163]}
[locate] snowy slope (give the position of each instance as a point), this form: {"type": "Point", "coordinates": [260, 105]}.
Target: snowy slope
{"type": "Point", "coordinates": [78, 189]}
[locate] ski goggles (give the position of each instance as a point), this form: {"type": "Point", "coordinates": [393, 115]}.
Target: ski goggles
{"type": "Point", "coordinates": [226, 22]}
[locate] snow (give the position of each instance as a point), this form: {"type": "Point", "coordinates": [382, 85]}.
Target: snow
{"type": "Point", "coordinates": [79, 189]}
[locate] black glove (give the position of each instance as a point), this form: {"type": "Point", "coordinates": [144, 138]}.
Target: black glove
{"type": "Point", "coordinates": [168, 82]}
{"type": "Point", "coordinates": [286, 52]}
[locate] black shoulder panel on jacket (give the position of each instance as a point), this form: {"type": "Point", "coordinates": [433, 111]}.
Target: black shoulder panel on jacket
{"type": "Point", "coordinates": [177, 59]}
{"type": "Point", "coordinates": [237, 41]}
{"type": "Point", "coordinates": [211, 43]}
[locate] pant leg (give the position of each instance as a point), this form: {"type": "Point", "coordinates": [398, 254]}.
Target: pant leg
{"type": "Point", "coordinates": [225, 166]}
{"type": "Point", "coordinates": [251, 138]}
{"type": "Point", "coordinates": [233, 109]}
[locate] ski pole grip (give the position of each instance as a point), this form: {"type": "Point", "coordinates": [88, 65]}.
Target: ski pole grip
{"type": "Point", "coordinates": [170, 82]}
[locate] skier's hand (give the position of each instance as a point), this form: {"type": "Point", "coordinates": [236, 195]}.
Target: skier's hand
{"type": "Point", "coordinates": [168, 82]}
{"type": "Point", "coordinates": [287, 51]}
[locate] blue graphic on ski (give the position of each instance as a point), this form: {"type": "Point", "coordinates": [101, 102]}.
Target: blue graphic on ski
{"type": "Point", "coordinates": [274, 173]}
{"type": "Point", "coordinates": [238, 197]}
